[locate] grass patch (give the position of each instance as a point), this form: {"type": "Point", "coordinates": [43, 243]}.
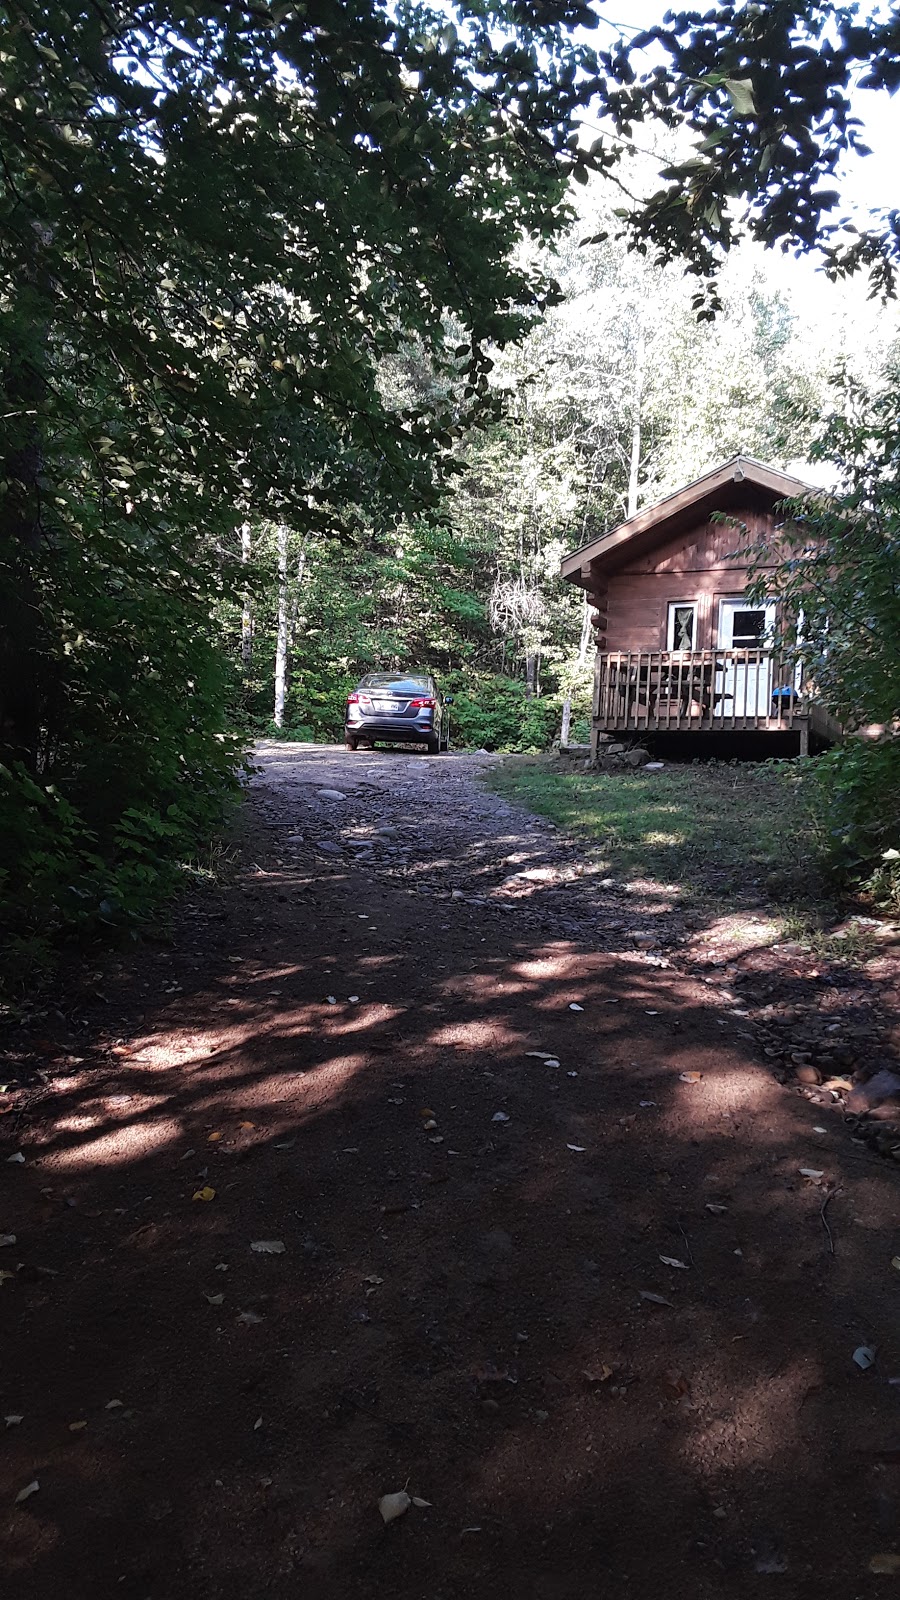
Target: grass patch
{"type": "Point", "coordinates": [714, 832]}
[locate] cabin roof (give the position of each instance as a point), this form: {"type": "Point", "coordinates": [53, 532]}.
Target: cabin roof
{"type": "Point", "coordinates": [718, 490]}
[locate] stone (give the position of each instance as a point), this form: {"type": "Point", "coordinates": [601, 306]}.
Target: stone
{"type": "Point", "coordinates": [327, 848]}
{"type": "Point", "coordinates": [805, 1072]}
{"type": "Point", "coordinates": [497, 1244]}
{"type": "Point", "coordinates": [883, 1086]}
{"type": "Point", "coordinates": [643, 941]}
{"type": "Point", "coordinates": [331, 794]}
{"type": "Point", "coordinates": [637, 758]}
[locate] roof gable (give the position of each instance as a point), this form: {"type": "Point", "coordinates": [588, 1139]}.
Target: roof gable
{"type": "Point", "coordinates": [719, 490]}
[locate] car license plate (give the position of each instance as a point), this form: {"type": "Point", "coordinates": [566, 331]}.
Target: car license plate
{"type": "Point", "coordinates": [385, 705]}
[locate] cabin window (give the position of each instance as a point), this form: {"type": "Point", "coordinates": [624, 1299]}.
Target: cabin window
{"type": "Point", "coordinates": [744, 626]}
{"type": "Point", "coordinates": [682, 629]}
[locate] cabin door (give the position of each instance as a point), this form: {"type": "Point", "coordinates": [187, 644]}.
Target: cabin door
{"type": "Point", "coordinates": [745, 687]}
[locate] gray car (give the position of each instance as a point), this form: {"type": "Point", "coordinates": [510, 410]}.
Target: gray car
{"type": "Point", "coordinates": [398, 707]}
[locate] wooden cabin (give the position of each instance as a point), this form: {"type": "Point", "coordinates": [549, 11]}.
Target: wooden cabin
{"type": "Point", "coordinates": [680, 651]}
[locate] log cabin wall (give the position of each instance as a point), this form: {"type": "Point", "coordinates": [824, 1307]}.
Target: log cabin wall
{"type": "Point", "coordinates": [698, 564]}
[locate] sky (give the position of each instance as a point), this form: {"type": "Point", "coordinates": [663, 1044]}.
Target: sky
{"type": "Point", "coordinates": [865, 181]}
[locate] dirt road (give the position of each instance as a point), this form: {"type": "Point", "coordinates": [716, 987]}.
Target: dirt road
{"type": "Point", "coordinates": [408, 1166]}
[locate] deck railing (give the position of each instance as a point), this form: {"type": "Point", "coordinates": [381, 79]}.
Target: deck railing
{"type": "Point", "coordinates": [696, 689]}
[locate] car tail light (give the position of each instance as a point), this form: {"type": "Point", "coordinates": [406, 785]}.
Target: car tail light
{"type": "Point", "coordinates": [423, 701]}
{"type": "Point", "coordinates": [353, 699]}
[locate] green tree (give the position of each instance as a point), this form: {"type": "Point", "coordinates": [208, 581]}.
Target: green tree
{"type": "Point", "coordinates": [215, 225]}
{"type": "Point", "coordinates": [839, 584]}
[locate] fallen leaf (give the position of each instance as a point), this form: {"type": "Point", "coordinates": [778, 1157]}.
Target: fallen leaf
{"type": "Point", "coordinates": [717, 1211]}
{"type": "Point", "coordinates": [499, 1116]}
{"type": "Point", "coordinates": [690, 1077]}
{"type": "Point", "coordinates": [598, 1374]}
{"type": "Point", "coordinates": [812, 1173]}
{"type": "Point", "coordinates": [673, 1261]}
{"type": "Point", "coordinates": [427, 1113]}
{"type": "Point", "coordinates": [864, 1356]}
{"type": "Point", "coordinates": [6, 1239]}
{"type": "Point", "coordinates": [14, 1418]}
{"type": "Point", "coordinates": [655, 1299]}
{"type": "Point", "coordinates": [573, 1006]}
{"type": "Point", "coordinates": [887, 1564]}
{"type": "Point", "coordinates": [394, 1505]}
{"type": "Point", "coordinates": [214, 1299]}
{"type": "Point", "coordinates": [18, 1160]}
{"type": "Point", "coordinates": [422, 1504]}
{"type": "Point", "coordinates": [838, 1083]}
{"type": "Point", "coordinates": [539, 1055]}
{"type": "Point", "coordinates": [4, 1276]}
{"type": "Point", "coordinates": [551, 1061]}
{"type": "Point", "coordinates": [489, 1373]}
{"type": "Point", "coordinates": [895, 1262]}
{"type": "Point", "coordinates": [246, 1124]}
{"type": "Point", "coordinates": [29, 1489]}
{"type": "Point", "coordinates": [578, 1148]}
{"type": "Point", "coordinates": [675, 1383]}
{"type": "Point", "coordinates": [268, 1247]}
{"type": "Point", "coordinates": [213, 1138]}
{"type": "Point", "coordinates": [257, 1424]}
{"type": "Point", "coordinates": [249, 1318]}
{"type": "Point", "coordinates": [114, 1405]}
{"type": "Point", "coordinates": [76, 1427]}
{"type": "Point", "coordinates": [206, 1193]}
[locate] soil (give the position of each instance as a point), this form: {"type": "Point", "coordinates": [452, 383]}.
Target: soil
{"type": "Point", "coordinates": [592, 1312]}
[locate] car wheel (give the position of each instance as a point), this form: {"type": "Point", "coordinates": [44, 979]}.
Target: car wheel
{"type": "Point", "coordinates": [352, 744]}
{"type": "Point", "coordinates": [433, 747]}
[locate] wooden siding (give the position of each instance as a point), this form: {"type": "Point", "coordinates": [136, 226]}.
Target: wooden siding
{"type": "Point", "coordinates": [699, 564]}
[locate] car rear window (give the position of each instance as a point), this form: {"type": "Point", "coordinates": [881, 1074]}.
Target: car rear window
{"type": "Point", "coordinates": [398, 682]}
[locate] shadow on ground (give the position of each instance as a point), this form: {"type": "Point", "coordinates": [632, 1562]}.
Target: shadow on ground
{"type": "Point", "coordinates": [476, 1309]}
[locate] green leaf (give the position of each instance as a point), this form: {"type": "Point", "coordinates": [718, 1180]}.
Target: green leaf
{"type": "Point", "coordinates": [742, 95]}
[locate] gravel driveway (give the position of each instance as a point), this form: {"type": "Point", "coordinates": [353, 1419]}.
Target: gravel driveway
{"type": "Point", "coordinates": [394, 1169]}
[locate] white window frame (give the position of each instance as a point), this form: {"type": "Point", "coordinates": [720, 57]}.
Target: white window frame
{"type": "Point", "coordinates": [680, 605]}
{"type": "Point", "coordinates": [739, 602]}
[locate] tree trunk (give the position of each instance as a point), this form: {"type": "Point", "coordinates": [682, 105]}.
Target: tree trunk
{"type": "Point", "coordinates": [635, 462]}
{"type": "Point", "coordinates": [21, 530]}
{"type": "Point", "coordinates": [281, 636]}
{"type": "Point", "coordinates": [295, 600]}
{"type": "Point", "coordinates": [581, 658]}
{"type": "Point", "coordinates": [246, 612]}
{"type": "Point", "coordinates": [531, 671]}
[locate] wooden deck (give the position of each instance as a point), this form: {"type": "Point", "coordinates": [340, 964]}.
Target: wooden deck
{"type": "Point", "coordinates": [721, 691]}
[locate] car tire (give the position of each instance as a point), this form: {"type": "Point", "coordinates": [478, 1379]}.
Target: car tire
{"type": "Point", "coordinates": [352, 744]}
{"type": "Point", "coordinates": [433, 747]}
